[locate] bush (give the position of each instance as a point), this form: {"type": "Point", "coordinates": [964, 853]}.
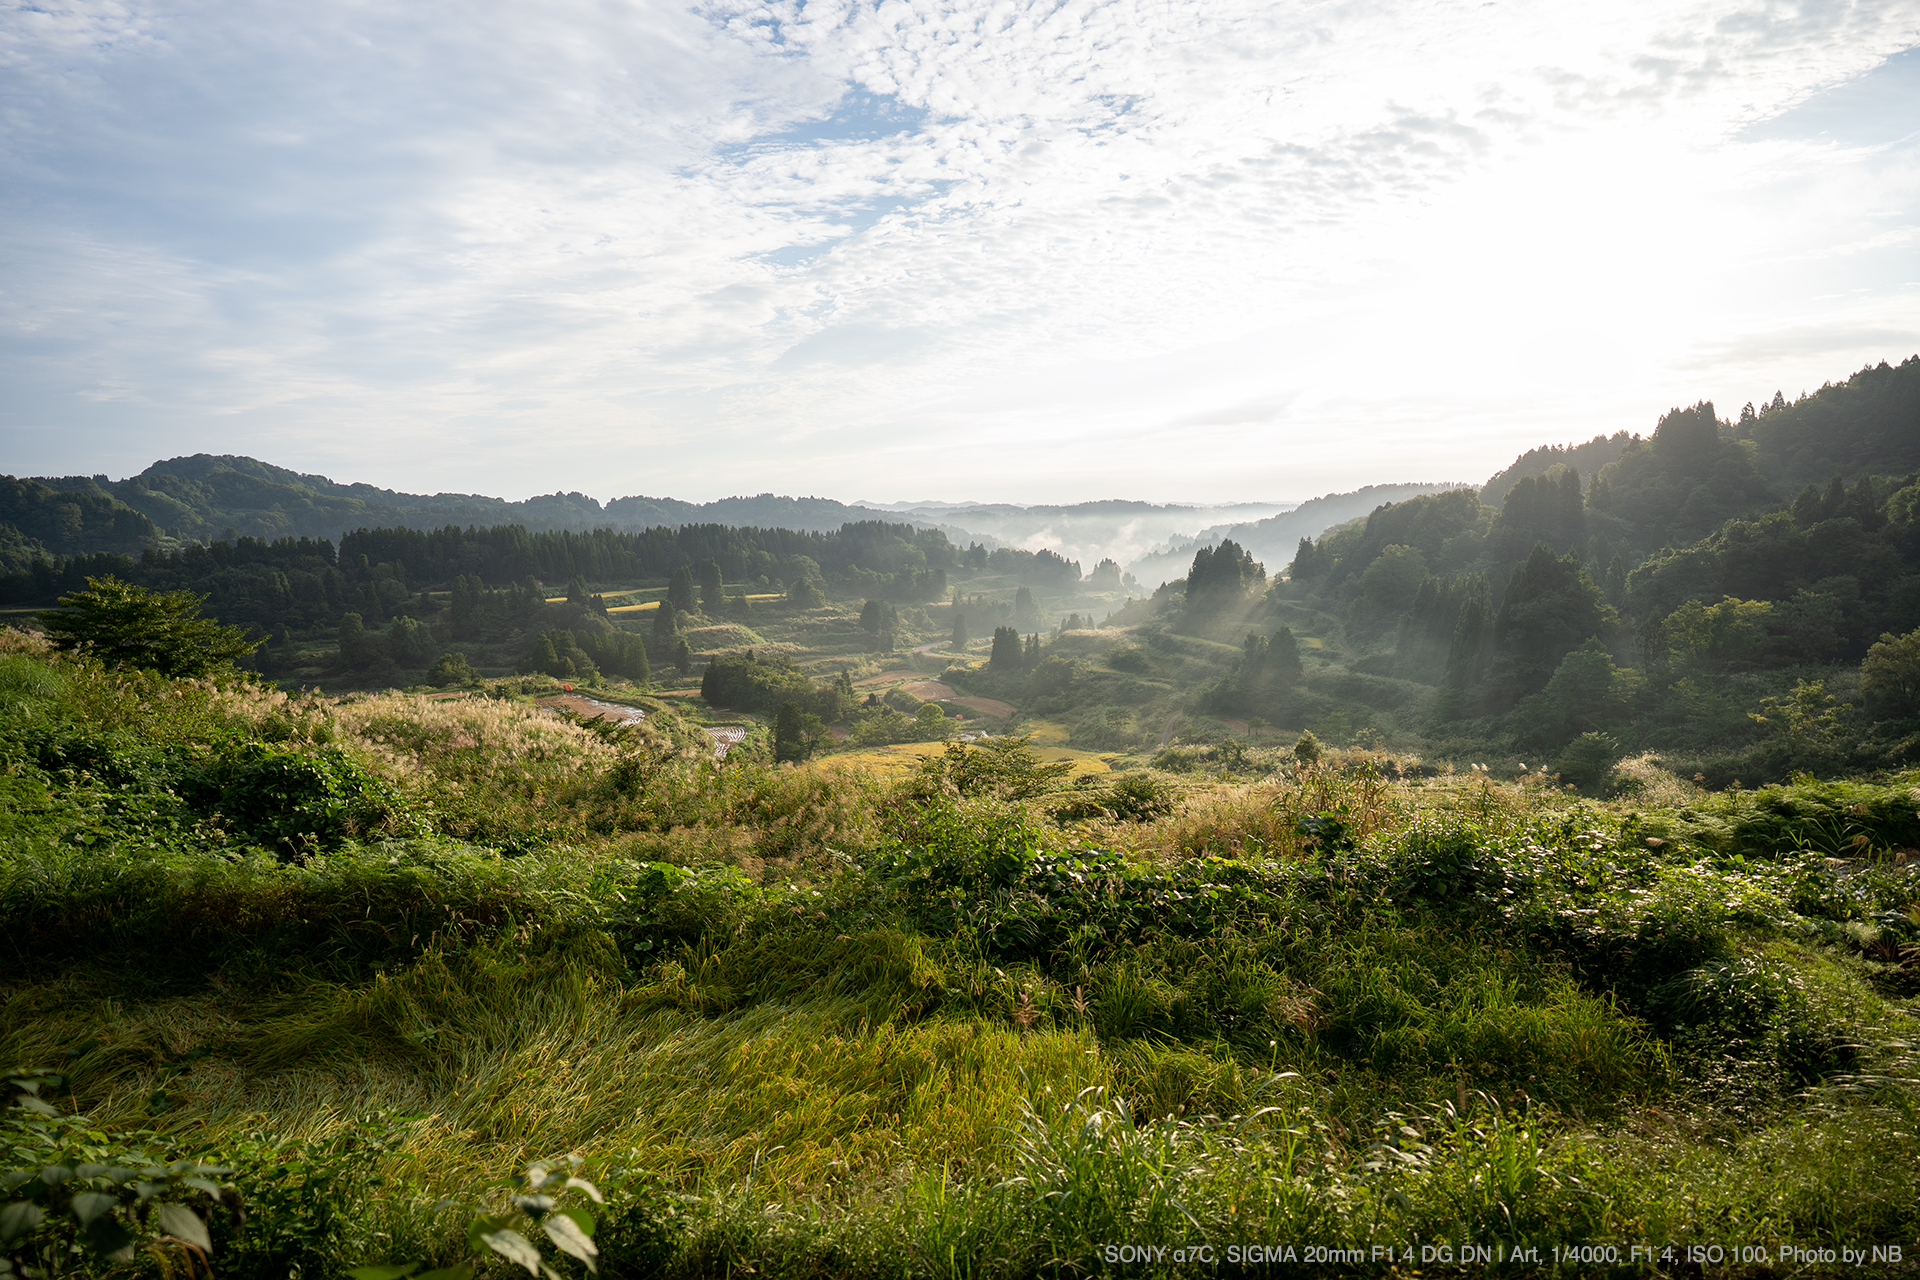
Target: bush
{"type": "Point", "coordinates": [1588, 761]}
{"type": "Point", "coordinates": [452, 669]}
{"type": "Point", "coordinates": [298, 803]}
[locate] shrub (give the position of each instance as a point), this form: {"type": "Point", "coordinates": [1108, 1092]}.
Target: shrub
{"type": "Point", "coordinates": [1588, 761]}
{"type": "Point", "coordinates": [452, 668]}
{"type": "Point", "coordinates": [302, 802]}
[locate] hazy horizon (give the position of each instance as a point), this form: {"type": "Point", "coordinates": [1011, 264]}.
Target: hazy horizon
{"type": "Point", "coordinates": [1034, 255]}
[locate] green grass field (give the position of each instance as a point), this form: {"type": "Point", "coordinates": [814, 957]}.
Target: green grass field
{"type": "Point", "coordinates": [941, 1013]}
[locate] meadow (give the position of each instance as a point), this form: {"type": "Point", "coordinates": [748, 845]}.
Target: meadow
{"type": "Point", "coordinates": [361, 959]}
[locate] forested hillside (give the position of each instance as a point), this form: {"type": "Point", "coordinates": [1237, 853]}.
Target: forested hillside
{"type": "Point", "coordinates": [1677, 600]}
{"type": "Point", "coordinates": [205, 499]}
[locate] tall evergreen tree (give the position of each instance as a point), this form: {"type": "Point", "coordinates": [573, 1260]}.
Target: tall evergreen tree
{"type": "Point", "coordinates": [1005, 655]}
{"type": "Point", "coordinates": [680, 591]}
{"type": "Point", "coordinates": [1307, 563]}
{"type": "Point", "coordinates": [1221, 577]}
{"type": "Point", "coordinates": [1551, 605]}
{"type": "Point", "coordinates": [1026, 614]}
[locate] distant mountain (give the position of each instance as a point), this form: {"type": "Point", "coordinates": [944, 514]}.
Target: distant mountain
{"type": "Point", "coordinates": [1274, 539]}
{"type": "Point", "coordinates": [1087, 531]}
{"type": "Point", "coordinates": [928, 505]}
{"type": "Point", "coordinates": [206, 497]}
{"type": "Point", "coordinates": [1866, 425]}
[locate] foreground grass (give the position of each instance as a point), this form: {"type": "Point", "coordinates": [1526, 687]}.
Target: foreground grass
{"type": "Point", "coordinates": [924, 1028]}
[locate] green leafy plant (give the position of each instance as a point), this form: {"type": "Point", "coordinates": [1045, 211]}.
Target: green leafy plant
{"type": "Point", "coordinates": [534, 1202]}
{"type": "Point", "coordinates": [76, 1196]}
{"type": "Point", "coordinates": [298, 802]}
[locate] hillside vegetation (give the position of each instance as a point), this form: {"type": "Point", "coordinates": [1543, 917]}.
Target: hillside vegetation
{"type": "Point", "coordinates": [1534, 871]}
{"type": "Point", "coordinates": [370, 954]}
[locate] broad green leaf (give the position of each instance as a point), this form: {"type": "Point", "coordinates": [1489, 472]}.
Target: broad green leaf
{"type": "Point", "coordinates": [566, 1233]}
{"type": "Point", "coordinates": [184, 1224]}
{"type": "Point", "coordinates": [55, 1174]}
{"type": "Point", "coordinates": [581, 1218]}
{"type": "Point", "coordinates": [477, 1230]}
{"type": "Point", "coordinates": [458, 1271]}
{"type": "Point", "coordinates": [593, 1192]}
{"type": "Point", "coordinates": [89, 1205]}
{"type": "Point", "coordinates": [514, 1247]}
{"type": "Point", "coordinates": [383, 1273]}
{"type": "Point", "coordinates": [533, 1206]}
{"type": "Point", "coordinates": [19, 1218]}
{"type": "Point", "coordinates": [108, 1237]}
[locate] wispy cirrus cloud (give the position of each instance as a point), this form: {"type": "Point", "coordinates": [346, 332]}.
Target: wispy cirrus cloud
{"type": "Point", "coordinates": [830, 245]}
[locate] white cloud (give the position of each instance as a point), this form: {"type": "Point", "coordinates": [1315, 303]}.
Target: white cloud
{"type": "Point", "coordinates": [1044, 251]}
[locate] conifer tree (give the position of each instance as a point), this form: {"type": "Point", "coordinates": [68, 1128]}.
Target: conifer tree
{"type": "Point", "coordinates": [680, 591]}
{"type": "Point", "coordinates": [1005, 654]}
{"type": "Point", "coordinates": [1026, 614]}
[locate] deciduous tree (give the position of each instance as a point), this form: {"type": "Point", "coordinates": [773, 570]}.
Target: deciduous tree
{"type": "Point", "coordinates": [129, 626]}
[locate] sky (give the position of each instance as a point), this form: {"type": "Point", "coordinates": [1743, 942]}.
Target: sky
{"type": "Point", "coordinates": [984, 250]}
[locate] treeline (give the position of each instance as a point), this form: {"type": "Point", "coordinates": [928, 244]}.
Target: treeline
{"type": "Point", "coordinates": [1668, 603]}
{"type": "Point", "coordinates": [306, 585]}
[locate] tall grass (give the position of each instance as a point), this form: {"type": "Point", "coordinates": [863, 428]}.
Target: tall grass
{"type": "Point", "coordinates": [802, 1022]}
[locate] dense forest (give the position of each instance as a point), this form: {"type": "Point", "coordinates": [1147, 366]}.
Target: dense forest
{"type": "Point", "coordinates": [1706, 591]}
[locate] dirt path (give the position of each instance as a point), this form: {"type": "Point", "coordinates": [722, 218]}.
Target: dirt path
{"type": "Point", "coordinates": [1166, 734]}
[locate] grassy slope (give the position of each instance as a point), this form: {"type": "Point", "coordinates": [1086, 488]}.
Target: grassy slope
{"type": "Point", "coordinates": [884, 1029]}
